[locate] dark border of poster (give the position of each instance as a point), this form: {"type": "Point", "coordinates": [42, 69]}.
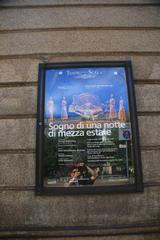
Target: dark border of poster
{"type": "Point", "coordinates": [43, 190]}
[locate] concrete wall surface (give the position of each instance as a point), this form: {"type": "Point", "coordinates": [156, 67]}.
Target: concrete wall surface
{"type": "Point", "coordinates": [36, 31]}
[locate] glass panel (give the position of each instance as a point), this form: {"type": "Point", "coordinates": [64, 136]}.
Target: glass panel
{"type": "Point", "coordinates": [87, 129]}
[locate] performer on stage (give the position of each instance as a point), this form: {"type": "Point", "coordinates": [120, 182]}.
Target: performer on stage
{"type": "Point", "coordinates": [64, 114]}
{"type": "Point", "coordinates": [73, 104]}
{"type": "Point", "coordinates": [112, 109]}
{"type": "Point", "coordinates": [50, 107]}
{"type": "Point", "coordinates": [121, 113]}
{"type": "Point", "coordinates": [107, 109]}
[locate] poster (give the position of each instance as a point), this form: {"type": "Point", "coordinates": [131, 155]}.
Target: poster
{"type": "Point", "coordinates": [87, 128]}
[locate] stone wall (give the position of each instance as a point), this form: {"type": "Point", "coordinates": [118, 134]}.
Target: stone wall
{"type": "Point", "coordinates": [36, 31]}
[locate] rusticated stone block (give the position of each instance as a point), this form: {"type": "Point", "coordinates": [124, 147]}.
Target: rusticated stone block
{"type": "Point", "coordinates": [26, 70]}
{"type": "Point", "coordinates": [119, 233]}
{"type": "Point", "coordinates": [18, 100]}
{"type": "Point", "coordinates": [17, 170]}
{"type": "Point", "coordinates": [148, 98]}
{"type": "Point", "coordinates": [57, 2]}
{"type": "Point", "coordinates": [23, 207]}
{"type": "Point", "coordinates": [151, 165]}
{"type": "Point", "coordinates": [23, 100]}
{"type": "Point", "coordinates": [80, 17]}
{"type": "Point", "coordinates": [146, 67]}
{"type": "Point", "coordinates": [17, 133]}
{"type": "Point", "coordinates": [79, 41]}
{"type": "Point", "coordinates": [21, 133]}
{"type": "Point", "coordinates": [149, 127]}
{"type": "Point", "coordinates": [18, 70]}
{"type": "Point", "coordinates": [149, 236]}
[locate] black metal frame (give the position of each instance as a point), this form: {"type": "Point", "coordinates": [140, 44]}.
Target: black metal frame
{"type": "Point", "coordinates": [138, 185]}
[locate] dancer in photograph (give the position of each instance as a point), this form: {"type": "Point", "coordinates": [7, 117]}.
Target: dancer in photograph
{"type": "Point", "coordinates": [121, 113]}
{"type": "Point", "coordinates": [112, 108]}
{"type": "Point", "coordinates": [64, 114]}
{"type": "Point", "coordinates": [50, 107]}
{"type": "Point", "coordinates": [73, 104]}
{"type": "Point", "coordinates": [107, 109]}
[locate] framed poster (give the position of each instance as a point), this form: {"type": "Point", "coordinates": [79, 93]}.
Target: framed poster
{"type": "Point", "coordinates": [87, 132]}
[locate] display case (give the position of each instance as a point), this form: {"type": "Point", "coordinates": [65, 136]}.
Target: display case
{"type": "Point", "coordinates": [87, 131]}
